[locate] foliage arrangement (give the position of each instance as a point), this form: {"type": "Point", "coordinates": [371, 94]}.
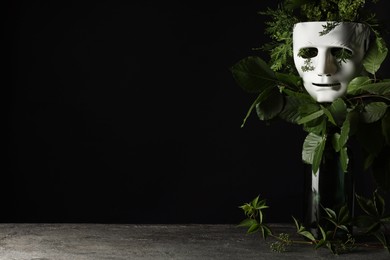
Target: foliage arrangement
{"type": "Point", "coordinates": [373, 223]}
{"type": "Point", "coordinates": [290, 12]}
{"type": "Point", "coordinates": [362, 115]}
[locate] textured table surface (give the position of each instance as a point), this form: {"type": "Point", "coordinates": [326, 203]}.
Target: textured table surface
{"type": "Point", "coordinates": [128, 241]}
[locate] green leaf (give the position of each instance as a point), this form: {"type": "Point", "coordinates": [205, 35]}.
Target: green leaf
{"type": "Point", "coordinates": [254, 228]}
{"type": "Point", "coordinates": [378, 88]}
{"type": "Point", "coordinates": [253, 74]}
{"type": "Point", "coordinates": [344, 133]}
{"type": "Point", "coordinates": [343, 227]}
{"type": "Point", "coordinates": [374, 228]}
{"type": "Point", "coordinates": [292, 104]}
{"type": "Point", "coordinates": [338, 109]}
{"type": "Point", "coordinates": [317, 126]}
{"type": "Point", "coordinates": [331, 213]}
{"type": "Point", "coordinates": [336, 142]}
{"type": "Point", "coordinates": [255, 201]}
{"type": "Point", "coordinates": [355, 85]}
{"type": "Point", "coordinates": [385, 219]}
{"type": "Point", "coordinates": [383, 239]}
{"type": "Point", "coordinates": [370, 158]}
{"type": "Point", "coordinates": [271, 106]}
{"type": "Point", "coordinates": [308, 108]}
{"type": "Point", "coordinates": [318, 155]}
{"type": "Point", "coordinates": [290, 111]}
{"type": "Point", "coordinates": [323, 233]}
{"type": "Point", "coordinates": [308, 235]}
{"type": "Point", "coordinates": [366, 205]}
{"type": "Point", "coordinates": [379, 203]}
{"type": "Point", "coordinates": [329, 115]}
{"type": "Point", "coordinates": [374, 111]}
{"type": "Point", "coordinates": [320, 243]}
{"type": "Point", "coordinates": [311, 117]}
{"type": "Point", "coordinates": [302, 96]}
{"type": "Point", "coordinates": [375, 55]}
{"type": "Point", "coordinates": [247, 222]}
{"type": "Point", "coordinates": [310, 144]}
{"type": "Point", "coordinates": [260, 217]}
{"type": "Point", "coordinates": [297, 225]}
{"type": "Point", "coordinates": [332, 221]}
{"type": "Point", "coordinates": [344, 217]}
{"type": "Point", "coordinates": [289, 79]}
{"type": "Point", "coordinates": [265, 231]}
{"type": "Point", "coordinates": [246, 207]}
{"type": "Point", "coordinates": [364, 221]}
{"type": "Point", "coordinates": [260, 98]}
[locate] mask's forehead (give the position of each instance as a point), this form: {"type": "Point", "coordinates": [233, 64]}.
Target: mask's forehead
{"type": "Point", "coordinates": [315, 40]}
{"type": "Point", "coordinates": [350, 35]}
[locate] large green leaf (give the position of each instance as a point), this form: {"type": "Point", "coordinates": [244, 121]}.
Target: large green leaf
{"type": "Point", "coordinates": [375, 55]}
{"type": "Point", "coordinates": [294, 102]}
{"type": "Point", "coordinates": [379, 88]}
{"type": "Point", "coordinates": [271, 106]}
{"type": "Point", "coordinates": [317, 159]}
{"type": "Point", "coordinates": [366, 205]}
{"type": "Point", "coordinates": [338, 109]}
{"type": "Point", "coordinates": [313, 148]}
{"type": "Point", "coordinates": [260, 98]}
{"type": "Point", "coordinates": [329, 115]}
{"type": "Point", "coordinates": [344, 134]}
{"type": "Point", "coordinates": [253, 74]}
{"type": "Point", "coordinates": [373, 111]}
{"type": "Point", "coordinates": [316, 126]}
{"type": "Point", "coordinates": [289, 79]}
{"type": "Point", "coordinates": [310, 117]}
{"type": "Point", "coordinates": [355, 85]}
{"type": "Point", "coordinates": [312, 141]}
{"type": "Point", "coordinates": [290, 111]}
{"type": "Point", "coordinates": [340, 140]}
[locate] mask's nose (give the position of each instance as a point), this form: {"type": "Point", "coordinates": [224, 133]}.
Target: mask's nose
{"type": "Point", "coordinates": [326, 63]}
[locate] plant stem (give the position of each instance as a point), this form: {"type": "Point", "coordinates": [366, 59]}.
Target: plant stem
{"type": "Point", "coordinates": [368, 96]}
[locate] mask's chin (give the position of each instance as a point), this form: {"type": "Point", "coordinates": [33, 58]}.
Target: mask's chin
{"type": "Point", "coordinates": [325, 92]}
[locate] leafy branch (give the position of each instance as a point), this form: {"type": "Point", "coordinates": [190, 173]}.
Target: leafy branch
{"type": "Point", "coordinates": [363, 113]}
{"type": "Point", "coordinates": [335, 234]}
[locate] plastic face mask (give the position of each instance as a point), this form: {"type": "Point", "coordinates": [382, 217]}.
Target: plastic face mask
{"type": "Point", "coordinates": [327, 63]}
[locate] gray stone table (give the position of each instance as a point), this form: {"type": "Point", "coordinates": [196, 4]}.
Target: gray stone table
{"type": "Point", "coordinates": [129, 241]}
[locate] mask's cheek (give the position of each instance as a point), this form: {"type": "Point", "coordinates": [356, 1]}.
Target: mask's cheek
{"type": "Point", "coordinates": [301, 64]}
{"type": "Point", "coordinates": [348, 70]}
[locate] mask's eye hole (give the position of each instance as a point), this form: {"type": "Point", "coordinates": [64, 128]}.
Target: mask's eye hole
{"type": "Point", "coordinates": [341, 54]}
{"type": "Point", "coordinates": [308, 53]}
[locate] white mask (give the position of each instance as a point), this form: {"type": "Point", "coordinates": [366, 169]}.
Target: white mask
{"type": "Point", "coordinates": [317, 58]}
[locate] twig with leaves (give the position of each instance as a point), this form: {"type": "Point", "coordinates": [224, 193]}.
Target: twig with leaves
{"type": "Point", "coordinates": [334, 234]}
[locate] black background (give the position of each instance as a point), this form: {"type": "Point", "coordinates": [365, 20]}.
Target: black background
{"type": "Point", "coordinates": [126, 111]}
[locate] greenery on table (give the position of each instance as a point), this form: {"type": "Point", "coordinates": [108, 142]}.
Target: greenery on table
{"type": "Point", "coordinates": [373, 222]}
{"type": "Point", "coordinates": [362, 114]}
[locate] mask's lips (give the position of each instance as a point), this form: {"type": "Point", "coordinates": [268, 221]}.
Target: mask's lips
{"type": "Point", "coordinates": [327, 85]}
